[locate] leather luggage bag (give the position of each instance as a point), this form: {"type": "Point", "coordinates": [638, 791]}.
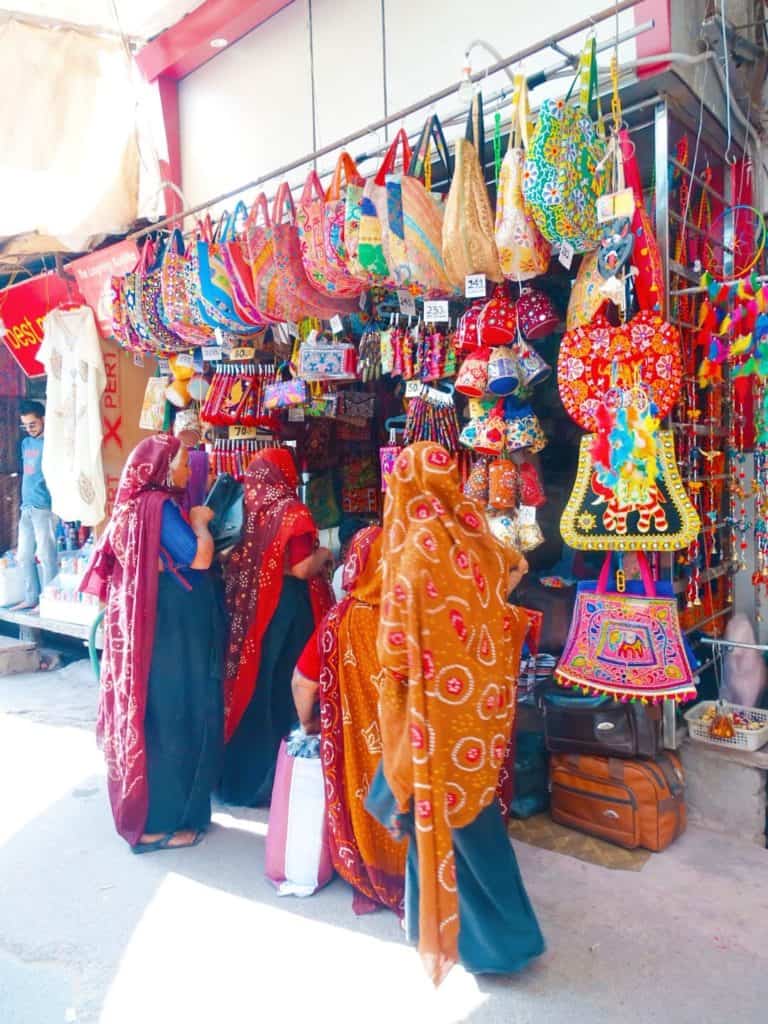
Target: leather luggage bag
{"type": "Point", "coordinates": [598, 725]}
{"type": "Point", "coordinates": [630, 803]}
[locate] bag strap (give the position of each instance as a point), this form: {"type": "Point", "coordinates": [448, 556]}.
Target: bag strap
{"type": "Point", "coordinates": [346, 171]}
{"type": "Point", "coordinates": [520, 113]}
{"type": "Point", "coordinates": [586, 76]}
{"type": "Point", "coordinates": [283, 201]}
{"type": "Point", "coordinates": [312, 184]}
{"type": "Point", "coordinates": [645, 571]}
{"type": "Point", "coordinates": [389, 162]}
{"type": "Point", "coordinates": [176, 242]}
{"type": "Point", "coordinates": [259, 207]}
{"type": "Point", "coordinates": [475, 132]}
{"type": "Point", "coordinates": [432, 129]}
{"type": "Point", "coordinates": [629, 160]}
{"type": "Point", "coordinates": [240, 215]}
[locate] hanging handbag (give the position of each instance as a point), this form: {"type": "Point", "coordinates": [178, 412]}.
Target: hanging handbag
{"type": "Point", "coordinates": [321, 360]}
{"type": "Point", "coordinates": [472, 378]}
{"type": "Point", "coordinates": [122, 328]}
{"type": "Point", "coordinates": [497, 321]}
{"type": "Point", "coordinates": [647, 349]}
{"type": "Point", "coordinates": [181, 314]}
{"type": "Point", "coordinates": [373, 235]}
{"type": "Point", "coordinates": [503, 374]}
{"type": "Point", "coordinates": [502, 484]}
{"type": "Point", "coordinates": [627, 644]}
{"type": "Point", "coordinates": [536, 314]}
{"type": "Point", "coordinates": [286, 393]}
{"type": "Point", "coordinates": [523, 251]}
{"type": "Point", "coordinates": [562, 181]}
{"type": "Point", "coordinates": [311, 217]}
{"type": "Point", "coordinates": [587, 299]}
{"type": "Point", "coordinates": [600, 518]}
{"type": "Point", "coordinates": [646, 257]}
{"type": "Point", "coordinates": [478, 482]}
{"type": "Point", "coordinates": [421, 226]}
{"type": "Point", "coordinates": [342, 205]}
{"type": "Point", "coordinates": [214, 290]}
{"type": "Point", "coordinates": [467, 337]}
{"type": "Point", "coordinates": [235, 253]}
{"type": "Point", "coordinates": [469, 246]}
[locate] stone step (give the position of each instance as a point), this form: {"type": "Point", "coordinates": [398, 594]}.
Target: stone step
{"type": "Point", "coordinates": [17, 656]}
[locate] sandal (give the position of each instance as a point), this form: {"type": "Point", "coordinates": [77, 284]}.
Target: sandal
{"type": "Point", "coordinates": [164, 843]}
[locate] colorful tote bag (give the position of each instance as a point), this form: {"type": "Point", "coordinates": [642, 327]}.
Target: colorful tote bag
{"type": "Point", "coordinates": [373, 232]}
{"type": "Point", "coordinates": [469, 246]}
{"type": "Point", "coordinates": [342, 218]}
{"type": "Point", "coordinates": [235, 253]}
{"type": "Point", "coordinates": [326, 275]}
{"type": "Point", "coordinates": [562, 182]}
{"type": "Point", "coordinates": [523, 251]}
{"type": "Point", "coordinates": [603, 516]}
{"type": "Point", "coordinates": [214, 290]}
{"type": "Point", "coordinates": [646, 351]}
{"type": "Point", "coordinates": [421, 228]}
{"type": "Point", "coordinates": [587, 298]}
{"type": "Point", "coordinates": [181, 315]}
{"type": "Point", "coordinates": [649, 280]}
{"type": "Point", "coordinates": [627, 645]}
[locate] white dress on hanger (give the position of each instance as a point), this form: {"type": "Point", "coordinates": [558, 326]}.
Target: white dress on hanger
{"type": "Point", "coordinates": [72, 464]}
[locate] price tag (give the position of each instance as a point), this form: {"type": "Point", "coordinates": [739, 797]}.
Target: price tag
{"type": "Point", "coordinates": [474, 286]}
{"type": "Point", "coordinates": [242, 354]}
{"type": "Point", "coordinates": [219, 336]}
{"type": "Point", "coordinates": [296, 414]}
{"type": "Point", "coordinates": [138, 359]}
{"type": "Point", "coordinates": [212, 353]}
{"type": "Point", "coordinates": [566, 254]}
{"type": "Point", "coordinates": [185, 360]}
{"type": "Point", "coordinates": [336, 325]}
{"type": "Point", "coordinates": [413, 388]}
{"type": "Point", "coordinates": [164, 367]}
{"type": "Point", "coordinates": [292, 328]}
{"type": "Point", "coordinates": [526, 515]}
{"type": "Point", "coordinates": [240, 433]}
{"type": "Point", "coordinates": [407, 303]}
{"type": "Point", "coordinates": [311, 337]}
{"type": "Point", "coordinates": [436, 312]}
{"type": "Point", "coordinates": [615, 204]}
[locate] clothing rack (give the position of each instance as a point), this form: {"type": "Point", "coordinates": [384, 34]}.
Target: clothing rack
{"type": "Point", "coordinates": [717, 642]}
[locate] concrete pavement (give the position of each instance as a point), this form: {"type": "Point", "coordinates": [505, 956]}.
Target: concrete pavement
{"type": "Point", "coordinates": [90, 933]}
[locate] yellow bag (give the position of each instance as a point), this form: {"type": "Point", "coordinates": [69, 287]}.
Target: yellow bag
{"type": "Point", "coordinates": [586, 299]}
{"type": "Point", "coordinates": [468, 239]}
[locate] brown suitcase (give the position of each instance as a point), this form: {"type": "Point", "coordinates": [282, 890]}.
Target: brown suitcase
{"type": "Point", "coordinates": [630, 803]}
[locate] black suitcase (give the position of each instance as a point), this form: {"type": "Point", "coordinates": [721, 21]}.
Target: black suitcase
{"type": "Point", "coordinates": [599, 725]}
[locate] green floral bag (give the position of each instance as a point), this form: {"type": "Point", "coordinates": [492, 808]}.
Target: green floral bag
{"type": "Point", "coordinates": [561, 181]}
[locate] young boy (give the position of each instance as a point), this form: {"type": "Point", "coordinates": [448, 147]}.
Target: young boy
{"type": "Point", "coordinates": [37, 526]}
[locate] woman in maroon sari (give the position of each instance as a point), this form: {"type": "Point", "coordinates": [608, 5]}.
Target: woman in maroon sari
{"type": "Point", "coordinates": [277, 591]}
{"type": "Point", "coordinates": [160, 707]}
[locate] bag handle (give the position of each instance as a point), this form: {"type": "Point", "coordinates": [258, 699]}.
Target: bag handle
{"type": "Point", "coordinates": [629, 160]}
{"type": "Point", "coordinates": [259, 207]}
{"type": "Point", "coordinates": [432, 129]}
{"type": "Point", "coordinates": [204, 228]}
{"type": "Point", "coordinates": [346, 171]}
{"type": "Point", "coordinates": [240, 214]}
{"type": "Point", "coordinates": [475, 132]}
{"type": "Point", "coordinates": [176, 242]}
{"type": "Point", "coordinates": [586, 76]}
{"type": "Point", "coordinates": [389, 162]}
{"type": "Point", "coordinates": [312, 184]}
{"type": "Point", "coordinates": [283, 201]}
{"type": "Point", "coordinates": [520, 113]}
{"type": "Point", "coordinates": [645, 572]}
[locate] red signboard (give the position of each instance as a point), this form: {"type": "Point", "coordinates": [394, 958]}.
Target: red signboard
{"type": "Point", "coordinates": [22, 309]}
{"type": "Point", "coordinates": [94, 272]}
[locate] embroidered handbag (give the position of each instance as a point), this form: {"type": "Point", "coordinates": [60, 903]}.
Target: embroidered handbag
{"type": "Point", "coordinates": [122, 328]}
{"type": "Point", "coordinates": [587, 298]}
{"type": "Point", "coordinates": [503, 373]}
{"type": "Point", "coordinates": [235, 253]}
{"type": "Point", "coordinates": [358, 405]}
{"type": "Point", "coordinates": [532, 369]}
{"type": "Point", "coordinates": [478, 482]}
{"type": "Point", "coordinates": [502, 484]}
{"type": "Point", "coordinates": [562, 182]}
{"type": "Point", "coordinates": [214, 292]}
{"type": "Point", "coordinates": [649, 281]}
{"type": "Point", "coordinates": [627, 644]}
{"type": "Point", "coordinates": [373, 235]}
{"type": "Point", "coordinates": [536, 315]}
{"type": "Point", "coordinates": [421, 226]}
{"type": "Point", "coordinates": [523, 429]}
{"type": "Point", "coordinates": [285, 393]}
{"type": "Point", "coordinates": [472, 378]}
{"type": "Point", "coordinates": [181, 315]}
{"type": "Point", "coordinates": [646, 350]}
{"type": "Point", "coordinates": [497, 322]}
{"type": "Point", "coordinates": [469, 246]}
{"type": "Point", "coordinates": [523, 251]}
{"type": "Point", "coordinates": [342, 206]}
{"type": "Point", "coordinates": [327, 361]}
{"type": "Point", "coordinates": [599, 517]}
{"type": "Point", "coordinates": [326, 275]}
{"type": "Point", "coordinates": [467, 337]}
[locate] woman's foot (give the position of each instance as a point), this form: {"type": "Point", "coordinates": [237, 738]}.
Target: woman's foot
{"type": "Point", "coordinates": [151, 842]}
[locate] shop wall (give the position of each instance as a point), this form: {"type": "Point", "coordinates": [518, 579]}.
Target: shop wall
{"type": "Point", "coordinates": [322, 68]}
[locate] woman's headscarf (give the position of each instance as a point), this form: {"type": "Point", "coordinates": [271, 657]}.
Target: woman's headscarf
{"type": "Point", "coordinates": [362, 850]}
{"type": "Point", "coordinates": [449, 645]}
{"type": "Point", "coordinates": [124, 573]}
{"type": "Point", "coordinates": [254, 576]}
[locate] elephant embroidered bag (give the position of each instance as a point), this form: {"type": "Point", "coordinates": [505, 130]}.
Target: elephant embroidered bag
{"type": "Point", "coordinates": [627, 644]}
{"type": "Point", "coordinates": [523, 251]}
{"type": "Point", "coordinates": [469, 246]}
{"type": "Point", "coordinates": [562, 182]}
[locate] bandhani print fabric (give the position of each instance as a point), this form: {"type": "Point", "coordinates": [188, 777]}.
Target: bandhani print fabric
{"type": "Point", "coordinates": [449, 647]}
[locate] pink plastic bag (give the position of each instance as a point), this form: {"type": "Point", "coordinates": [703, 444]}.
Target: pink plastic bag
{"type": "Point", "coordinates": [298, 857]}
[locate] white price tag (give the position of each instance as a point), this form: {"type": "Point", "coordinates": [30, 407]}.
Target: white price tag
{"type": "Point", "coordinates": [185, 360]}
{"type": "Point", "coordinates": [615, 204]}
{"type": "Point", "coordinates": [407, 303]}
{"type": "Point", "coordinates": [241, 433]}
{"type": "Point", "coordinates": [292, 328]}
{"type": "Point", "coordinates": [138, 359]}
{"type": "Point", "coordinates": [336, 325]}
{"type": "Point", "coordinates": [526, 515]}
{"type": "Point", "coordinates": [474, 286]}
{"type": "Point", "coordinates": [296, 414]}
{"type": "Point", "coordinates": [436, 312]}
{"type": "Point", "coordinates": [164, 367]}
{"type": "Point", "coordinates": [413, 388]}
{"type": "Point", "coordinates": [219, 335]}
{"type": "Point", "coordinates": [566, 254]}
{"type": "Point", "coordinates": [311, 337]}
{"type": "Point", "coordinates": [242, 354]}
{"type": "Point", "coordinates": [212, 353]}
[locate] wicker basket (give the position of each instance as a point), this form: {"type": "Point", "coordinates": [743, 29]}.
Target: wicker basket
{"type": "Point", "coordinates": [743, 739]}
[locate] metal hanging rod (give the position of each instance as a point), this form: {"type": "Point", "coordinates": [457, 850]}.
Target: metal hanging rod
{"type": "Point", "coordinates": [581, 26]}
{"type": "Point", "coordinates": [716, 642]}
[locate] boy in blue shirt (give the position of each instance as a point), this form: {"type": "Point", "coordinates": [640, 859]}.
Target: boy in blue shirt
{"type": "Point", "coordinates": [37, 526]}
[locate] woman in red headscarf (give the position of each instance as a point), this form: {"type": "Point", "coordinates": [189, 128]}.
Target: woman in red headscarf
{"type": "Point", "coordinates": [277, 591]}
{"type": "Point", "coordinates": [160, 704]}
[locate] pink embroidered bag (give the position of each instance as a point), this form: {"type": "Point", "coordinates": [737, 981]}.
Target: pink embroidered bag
{"type": "Point", "coordinates": [311, 218]}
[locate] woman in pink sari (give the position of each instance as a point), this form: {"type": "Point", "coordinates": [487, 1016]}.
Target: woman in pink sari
{"type": "Point", "coordinates": [160, 720]}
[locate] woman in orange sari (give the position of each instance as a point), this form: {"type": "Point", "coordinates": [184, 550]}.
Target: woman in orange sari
{"type": "Point", "coordinates": [449, 646]}
{"type": "Point", "coordinates": [339, 668]}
